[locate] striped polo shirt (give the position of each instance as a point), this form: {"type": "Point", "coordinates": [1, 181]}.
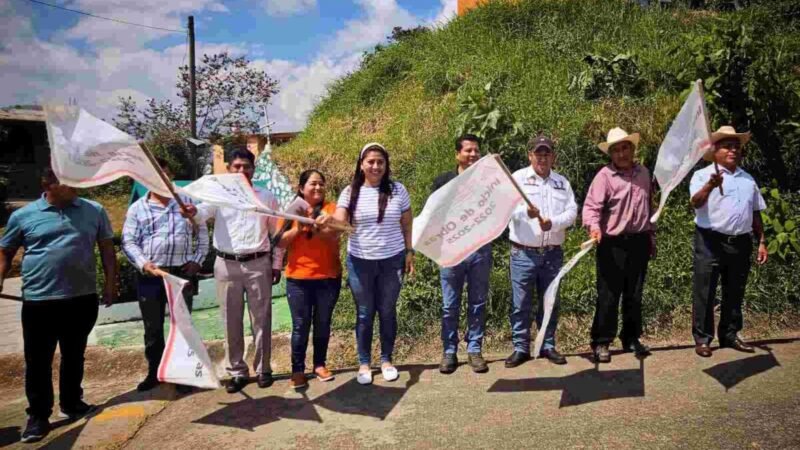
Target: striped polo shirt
{"type": "Point", "coordinates": [373, 240]}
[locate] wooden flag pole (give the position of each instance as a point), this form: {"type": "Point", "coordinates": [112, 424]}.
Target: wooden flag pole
{"type": "Point", "coordinates": [708, 124]}
{"type": "Point", "coordinates": [516, 185]}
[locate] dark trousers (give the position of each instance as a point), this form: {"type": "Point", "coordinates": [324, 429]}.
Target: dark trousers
{"type": "Point", "coordinates": [311, 302]}
{"type": "Point", "coordinates": [46, 323]}
{"type": "Point", "coordinates": [621, 270]}
{"type": "Point", "coordinates": [152, 303]}
{"type": "Point", "coordinates": [719, 256]}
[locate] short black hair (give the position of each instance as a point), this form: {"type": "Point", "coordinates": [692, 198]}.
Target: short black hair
{"type": "Point", "coordinates": [466, 137]}
{"type": "Point", "coordinates": [162, 163]}
{"type": "Point", "coordinates": [241, 153]}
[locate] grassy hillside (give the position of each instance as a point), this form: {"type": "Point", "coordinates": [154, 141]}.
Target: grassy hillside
{"type": "Point", "coordinates": [572, 69]}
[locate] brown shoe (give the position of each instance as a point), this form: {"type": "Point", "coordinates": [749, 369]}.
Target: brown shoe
{"type": "Point", "coordinates": [738, 344]}
{"type": "Point", "coordinates": [323, 374]}
{"type": "Point", "coordinates": [298, 381]}
{"type": "Point", "coordinates": [703, 350]}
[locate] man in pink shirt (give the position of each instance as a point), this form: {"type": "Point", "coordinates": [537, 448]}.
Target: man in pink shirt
{"type": "Point", "coordinates": [617, 214]}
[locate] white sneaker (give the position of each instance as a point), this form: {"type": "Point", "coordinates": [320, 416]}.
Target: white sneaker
{"type": "Point", "coordinates": [389, 373]}
{"type": "Point", "coordinates": [364, 377]}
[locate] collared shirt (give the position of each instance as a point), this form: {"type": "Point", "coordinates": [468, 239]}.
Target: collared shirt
{"type": "Point", "coordinates": [244, 232]}
{"type": "Point", "coordinates": [556, 201]}
{"type": "Point", "coordinates": [59, 259]}
{"type": "Point", "coordinates": [618, 201]}
{"type": "Point", "coordinates": [160, 235]}
{"type": "Point", "coordinates": [731, 213]}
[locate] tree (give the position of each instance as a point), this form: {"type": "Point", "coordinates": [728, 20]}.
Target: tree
{"type": "Point", "coordinates": [231, 95]}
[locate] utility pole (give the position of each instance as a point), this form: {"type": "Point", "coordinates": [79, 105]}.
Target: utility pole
{"type": "Point", "coordinates": [192, 84]}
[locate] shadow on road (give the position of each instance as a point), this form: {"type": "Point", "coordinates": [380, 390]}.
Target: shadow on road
{"type": "Point", "coordinates": [9, 435]}
{"type": "Point", "coordinates": [350, 398]}
{"type": "Point", "coordinates": [731, 373]}
{"type": "Point", "coordinates": [586, 386]}
{"type": "Point", "coordinates": [250, 412]}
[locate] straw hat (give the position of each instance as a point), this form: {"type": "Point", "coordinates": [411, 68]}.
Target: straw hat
{"type": "Point", "coordinates": [724, 132]}
{"type": "Point", "coordinates": [617, 135]}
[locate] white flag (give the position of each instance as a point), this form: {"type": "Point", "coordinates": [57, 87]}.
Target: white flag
{"type": "Point", "coordinates": [466, 213]}
{"type": "Point", "coordinates": [86, 152]}
{"type": "Point", "coordinates": [685, 143]}
{"type": "Point", "coordinates": [185, 359]}
{"type": "Point", "coordinates": [550, 294]}
{"type": "Point", "coordinates": [230, 190]}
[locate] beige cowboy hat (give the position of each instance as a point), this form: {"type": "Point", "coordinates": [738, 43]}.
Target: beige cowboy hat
{"type": "Point", "coordinates": [617, 135]}
{"type": "Point", "coordinates": [724, 132]}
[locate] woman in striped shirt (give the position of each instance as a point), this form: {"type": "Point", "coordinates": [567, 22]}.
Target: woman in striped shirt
{"type": "Point", "coordinates": [378, 253]}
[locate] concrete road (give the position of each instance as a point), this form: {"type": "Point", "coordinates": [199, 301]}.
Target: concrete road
{"type": "Point", "coordinates": [671, 399]}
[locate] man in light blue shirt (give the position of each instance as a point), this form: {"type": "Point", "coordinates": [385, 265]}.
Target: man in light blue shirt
{"type": "Point", "coordinates": [59, 232]}
{"type": "Point", "coordinates": [727, 202]}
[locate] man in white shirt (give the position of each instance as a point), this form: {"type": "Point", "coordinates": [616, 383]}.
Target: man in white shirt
{"type": "Point", "coordinates": [726, 220]}
{"type": "Point", "coordinates": [246, 263]}
{"type": "Point", "coordinates": [536, 236]}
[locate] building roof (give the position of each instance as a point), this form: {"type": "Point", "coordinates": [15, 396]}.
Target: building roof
{"type": "Point", "coordinates": [29, 114]}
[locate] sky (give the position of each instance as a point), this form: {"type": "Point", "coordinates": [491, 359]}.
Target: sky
{"type": "Point", "coordinates": [51, 55]}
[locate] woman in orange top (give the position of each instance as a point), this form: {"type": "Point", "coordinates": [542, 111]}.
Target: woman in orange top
{"type": "Point", "coordinates": [313, 278]}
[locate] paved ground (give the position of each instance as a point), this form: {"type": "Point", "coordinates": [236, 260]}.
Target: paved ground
{"type": "Point", "coordinates": [671, 399]}
{"type": "Point", "coordinates": [10, 325]}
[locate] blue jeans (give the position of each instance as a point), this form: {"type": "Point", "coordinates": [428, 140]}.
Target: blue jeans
{"type": "Point", "coordinates": [311, 301]}
{"type": "Point", "coordinates": [375, 285]}
{"type": "Point", "coordinates": [475, 270]}
{"type": "Point", "coordinates": [532, 270]}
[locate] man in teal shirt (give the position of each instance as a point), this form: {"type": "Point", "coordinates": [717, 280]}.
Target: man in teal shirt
{"type": "Point", "coordinates": [60, 303]}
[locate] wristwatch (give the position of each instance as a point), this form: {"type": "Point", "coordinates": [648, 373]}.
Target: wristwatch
{"type": "Point", "coordinates": [410, 250]}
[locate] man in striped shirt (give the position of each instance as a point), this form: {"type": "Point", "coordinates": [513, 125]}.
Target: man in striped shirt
{"type": "Point", "coordinates": [156, 236]}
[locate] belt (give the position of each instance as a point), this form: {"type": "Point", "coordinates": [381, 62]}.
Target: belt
{"type": "Point", "coordinates": [727, 238]}
{"type": "Point", "coordinates": [540, 250]}
{"type": "Point", "coordinates": [241, 258]}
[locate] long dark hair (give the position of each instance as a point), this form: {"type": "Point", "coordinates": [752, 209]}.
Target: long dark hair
{"type": "Point", "coordinates": [288, 224]}
{"type": "Point", "coordinates": [385, 188]}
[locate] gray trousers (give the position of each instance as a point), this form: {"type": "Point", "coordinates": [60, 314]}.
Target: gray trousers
{"type": "Point", "coordinates": [234, 279]}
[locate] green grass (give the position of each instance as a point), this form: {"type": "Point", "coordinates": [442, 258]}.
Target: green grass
{"type": "Point", "coordinates": [407, 96]}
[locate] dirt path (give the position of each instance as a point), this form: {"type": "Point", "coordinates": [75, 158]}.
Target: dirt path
{"type": "Point", "coordinates": [671, 399]}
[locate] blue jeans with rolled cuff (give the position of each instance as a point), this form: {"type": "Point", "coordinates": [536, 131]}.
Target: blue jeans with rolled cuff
{"type": "Point", "coordinates": [475, 270]}
{"type": "Point", "coordinates": [375, 285]}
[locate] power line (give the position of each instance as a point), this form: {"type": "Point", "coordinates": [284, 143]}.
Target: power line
{"type": "Point", "coordinates": [105, 18]}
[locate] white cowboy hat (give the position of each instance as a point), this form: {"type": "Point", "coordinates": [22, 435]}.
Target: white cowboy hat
{"type": "Point", "coordinates": [724, 132]}
{"type": "Point", "coordinates": [617, 135]}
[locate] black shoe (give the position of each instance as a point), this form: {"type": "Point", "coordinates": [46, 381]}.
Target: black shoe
{"type": "Point", "coordinates": [738, 344]}
{"type": "Point", "coordinates": [449, 363]}
{"type": "Point", "coordinates": [477, 362]}
{"type": "Point", "coordinates": [183, 389]}
{"type": "Point", "coordinates": [236, 384]}
{"type": "Point", "coordinates": [517, 358]}
{"type": "Point", "coordinates": [601, 354]}
{"type": "Point", "coordinates": [36, 429]}
{"type": "Point", "coordinates": [265, 380]}
{"type": "Point", "coordinates": [148, 383]}
{"type": "Point", "coordinates": [77, 411]}
{"type": "Point", "coordinates": [553, 356]}
{"type": "Point", "coordinates": [637, 347]}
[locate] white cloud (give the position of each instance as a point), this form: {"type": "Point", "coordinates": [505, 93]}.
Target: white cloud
{"type": "Point", "coordinates": [115, 60]}
{"type": "Point", "coordinates": [283, 8]}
